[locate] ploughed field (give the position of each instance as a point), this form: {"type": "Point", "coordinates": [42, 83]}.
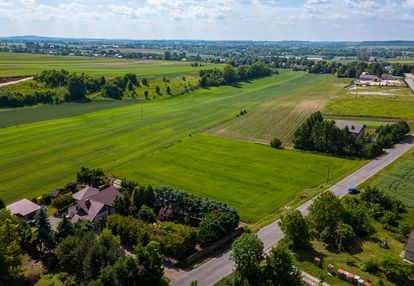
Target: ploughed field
{"type": "Point", "coordinates": [31, 64]}
{"type": "Point", "coordinates": [255, 179]}
{"type": "Point", "coordinates": [40, 156]}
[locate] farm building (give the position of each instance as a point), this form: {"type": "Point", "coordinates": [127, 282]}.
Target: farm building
{"type": "Point", "coordinates": [354, 128]}
{"type": "Point", "coordinates": [408, 252]}
{"type": "Point", "coordinates": [93, 204]}
{"type": "Point", "coordinates": [24, 209]}
{"type": "Point", "coordinates": [368, 77]}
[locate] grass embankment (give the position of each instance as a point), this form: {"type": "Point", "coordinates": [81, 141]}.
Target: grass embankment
{"type": "Point", "coordinates": [255, 179]}
{"type": "Point", "coordinates": [289, 107]}
{"type": "Point", "coordinates": [397, 179]}
{"type": "Point", "coordinates": [30, 64]}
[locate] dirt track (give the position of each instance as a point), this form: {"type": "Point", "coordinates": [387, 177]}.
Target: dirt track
{"type": "Point", "coordinates": [15, 81]}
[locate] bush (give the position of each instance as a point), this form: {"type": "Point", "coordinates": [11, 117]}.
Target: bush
{"type": "Point", "coordinates": [146, 214]}
{"type": "Point", "coordinates": [62, 202]}
{"type": "Point", "coordinates": [215, 225]}
{"type": "Point", "coordinates": [276, 143]}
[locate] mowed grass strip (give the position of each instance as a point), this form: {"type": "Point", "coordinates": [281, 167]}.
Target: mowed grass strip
{"type": "Point", "coordinates": [255, 179]}
{"type": "Point", "coordinates": [29, 64]}
{"type": "Point", "coordinates": [41, 156]}
{"type": "Point", "coordinates": [288, 108]}
{"type": "Point", "coordinates": [397, 180]}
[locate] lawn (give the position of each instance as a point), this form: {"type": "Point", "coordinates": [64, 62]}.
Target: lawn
{"type": "Point", "coordinates": [281, 115]}
{"type": "Point", "coordinates": [40, 156]}
{"type": "Point", "coordinates": [397, 179]}
{"type": "Point", "coordinates": [30, 64]}
{"type": "Point", "coordinates": [373, 102]}
{"type": "Point", "coordinates": [255, 179]}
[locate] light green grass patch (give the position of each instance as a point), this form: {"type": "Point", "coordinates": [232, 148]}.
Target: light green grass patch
{"type": "Point", "coordinates": [29, 64]}
{"type": "Point", "coordinates": [41, 156]}
{"type": "Point", "coordinates": [255, 179]}
{"type": "Point", "coordinates": [290, 105]}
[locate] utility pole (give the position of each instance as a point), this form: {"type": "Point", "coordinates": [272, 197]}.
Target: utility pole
{"type": "Point", "coordinates": [329, 172]}
{"type": "Point", "coordinates": [142, 113]}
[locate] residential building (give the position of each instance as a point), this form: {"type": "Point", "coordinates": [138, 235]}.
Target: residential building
{"type": "Point", "coordinates": [356, 129]}
{"type": "Point", "coordinates": [24, 208]}
{"type": "Point", "coordinates": [408, 252]}
{"type": "Point", "coordinates": [93, 204]}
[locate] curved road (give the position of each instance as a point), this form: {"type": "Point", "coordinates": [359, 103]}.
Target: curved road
{"type": "Point", "coordinates": [15, 81]}
{"type": "Point", "coordinates": [218, 267]}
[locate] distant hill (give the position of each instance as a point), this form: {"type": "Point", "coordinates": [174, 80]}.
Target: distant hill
{"type": "Point", "coordinates": [387, 43]}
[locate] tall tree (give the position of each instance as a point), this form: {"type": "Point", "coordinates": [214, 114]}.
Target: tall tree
{"type": "Point", "coordinates": [296, 229]}
{"type": "Point", "coordinates": [65, 228]}
{"type": "Point", "coordinates": [43, 234]}
{"type": "Point", "coordinates": [279, 268]}
{"type": "Point", "coordinates": [247, 253]}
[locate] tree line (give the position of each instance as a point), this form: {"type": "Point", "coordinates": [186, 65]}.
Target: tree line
{"type": "Point", "coordinates": [317, 134]}
{"type": "Point", "coordinates": [229, 74]}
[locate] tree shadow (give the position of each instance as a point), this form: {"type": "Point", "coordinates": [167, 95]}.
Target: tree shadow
{"type": "Point", "coordinates": [236, 85]}
{"type": "Point", "coordinates": [308, 255]}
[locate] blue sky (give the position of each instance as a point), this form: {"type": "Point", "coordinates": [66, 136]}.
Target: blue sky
{"type": "Point", "coordinates": [318, 20]}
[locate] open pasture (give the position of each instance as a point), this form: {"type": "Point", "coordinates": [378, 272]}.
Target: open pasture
{"type": "Point", "coordinates": [40, 156]}
{"type": "Point", "coordinates": [255, 179]}
{"type": "Point", "coordinates": [280, 116]}
{"type": "Point", "coordinates": [30, 64]}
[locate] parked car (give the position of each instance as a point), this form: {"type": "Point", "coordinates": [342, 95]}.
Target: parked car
{"type": "Point", "coordinates": [353, 191]}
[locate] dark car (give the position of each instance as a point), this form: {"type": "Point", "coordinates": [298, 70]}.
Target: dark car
{"type": "Point", "coordinates": [353, 191]}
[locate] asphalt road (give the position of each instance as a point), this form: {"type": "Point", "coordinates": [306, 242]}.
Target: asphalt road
{"type": "Point", "coordinates": [218, 267]}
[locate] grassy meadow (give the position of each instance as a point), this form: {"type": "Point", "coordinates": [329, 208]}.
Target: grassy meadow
{"type": "Point", "coordinates": [255, 179]}
{"type": "Point", "coordinates": [30, 64]}
{"type": "Point", "coordinates": [281, 115]}
{"type": "Point", "coordinates": [385, 102]}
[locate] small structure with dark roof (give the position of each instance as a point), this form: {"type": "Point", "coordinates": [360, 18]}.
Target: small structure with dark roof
{"type": "Point", "coordinates": [93, 204]}
{"type": "Point", "coordinates": [24, 209]}
{"type": "Point", "coordinates": [408, 253]}
{"type": "Point", "coordinates": [354, 128]}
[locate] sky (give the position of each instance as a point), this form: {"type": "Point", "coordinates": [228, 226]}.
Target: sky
{"type": "Point", "coordinates": [312, 20]}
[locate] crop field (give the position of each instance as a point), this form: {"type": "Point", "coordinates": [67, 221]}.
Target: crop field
{"type": "Point", "coordinates": [373, 102]}
{"type": "Point", "coordinates": [255, 179]}
{"type": "Point", "coordinates": [24, 115]}
{"type": "Point", "coordinates": [40, 156]}
{"type": "Point", "coordinates": [30, 64]}
{"type": "Point", "coordinates": [397, 180]}
{"type": "Point", "coordinates": [281, 115]}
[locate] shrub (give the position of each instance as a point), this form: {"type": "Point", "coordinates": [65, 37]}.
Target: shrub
{"type": "Point", "coordinates": [62, 202]}
{"type": "Point", "coordinates": [215, 225]}
{"type": "Point", "coordinates": [276, 143]}
{"type": "Point", "coordinates": [146, 214]}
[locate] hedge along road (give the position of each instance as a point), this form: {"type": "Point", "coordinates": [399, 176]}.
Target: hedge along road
{"type": "Point", "coordinates": [39, 157]}
{"type": "Point", "coordinates": [218, 267]}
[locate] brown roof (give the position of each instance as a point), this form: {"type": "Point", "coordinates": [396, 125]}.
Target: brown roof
{"type": "Point", "coordinates": [85, 193]}
{"type": "Point", "coordinates": [93, 201]}
{"type": "Point", "coordinates": [352, 127]}
{"type": "Point", "coordinates": [23, 207]}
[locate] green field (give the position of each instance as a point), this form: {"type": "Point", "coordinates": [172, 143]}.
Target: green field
{"type": "Point", "coordinates": [397, 180]}
{"type": "Point", "coordinates": [30, 64]}
{"type": "Point", "coordinates": [19, 116]}
{"type": "Point", "coordinates": [255, 179]}
{"type": "Point", "coordinates": [386, 102]}
{"type": "Point", "coordinates": [40, 156]}
{"type": "Point", "coordinates": [281, 115]}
